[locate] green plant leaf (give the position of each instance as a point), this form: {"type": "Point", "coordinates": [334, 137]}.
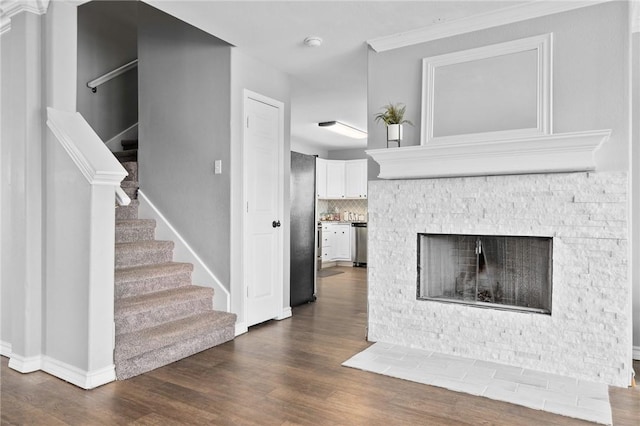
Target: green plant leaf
{"type": "Point", "coordinates": [392, 114]}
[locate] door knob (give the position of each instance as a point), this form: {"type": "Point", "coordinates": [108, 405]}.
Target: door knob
{"type": "Point", "coordinates": [275, 224]}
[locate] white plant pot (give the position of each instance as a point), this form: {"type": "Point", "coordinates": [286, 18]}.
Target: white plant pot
{"type": "Point", "coordinates": [394, 133]}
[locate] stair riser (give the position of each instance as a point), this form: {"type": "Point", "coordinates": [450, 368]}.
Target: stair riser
{"type": "Point", "coordinates": [129, 144]}
{"type": "Point", "coordinates": [127, 212]}
{"type": "Point", "coordinates": [132, 168]}
{"type": "Point", "coordinates": [129, 258]}
{"type": "Point", "coordinates": [149, 285]}
{"type": "Point", "coordinates": [130, 235]}
{"type": "Point", "coordinates": [126, 368]}
{"type": "Point", "coordinates": [130, 155]}
{"type": "Point", "coordinates": [131, 345]}
{"type": "Point", "coordinates": [131, 192]}
{"type": "Point", "coordinates": [141, 320]}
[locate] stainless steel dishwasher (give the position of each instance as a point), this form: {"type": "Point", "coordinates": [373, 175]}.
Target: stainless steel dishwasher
{"type": "Point", "coordinates": [360, 244]}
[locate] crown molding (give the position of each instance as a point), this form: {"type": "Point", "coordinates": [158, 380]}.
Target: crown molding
{"type": "Point", "coordinates": [635, 16]}
{"type": "Point", "coordinates": [10, 8]}
{"type": "Point", "coordinates": [5, 25]}
{"type": "Point", "coordinates": [508, 15]}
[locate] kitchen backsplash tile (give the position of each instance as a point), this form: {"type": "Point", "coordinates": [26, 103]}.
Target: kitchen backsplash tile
{"type": "Point", "coordinates": [358, 207]}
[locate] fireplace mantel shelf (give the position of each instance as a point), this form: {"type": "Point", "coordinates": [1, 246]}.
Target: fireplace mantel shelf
{"type": "Point", "coordinates": [564, 152]}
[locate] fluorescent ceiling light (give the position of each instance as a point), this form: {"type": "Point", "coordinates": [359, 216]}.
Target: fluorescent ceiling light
{"type": "Point", "coordinates": [343, 129]}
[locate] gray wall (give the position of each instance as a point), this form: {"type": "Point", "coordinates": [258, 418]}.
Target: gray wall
{"type": "Point", "coordinates": [347, 154]}
{"type": "Point", "coordinates": [590, 76]}
{"type": "Point", "coordinates": [251, 74]}
{"type": "Point", "coordinates": [107, 39]}
{"type": "Point", "coordinates": [304, 147]}
{"type": "Point", "coordinates": [184, 92]}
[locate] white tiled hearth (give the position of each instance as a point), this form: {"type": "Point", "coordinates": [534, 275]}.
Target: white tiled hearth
{"type": "Point", "coordinates": [588, 334]}
{"type": "Point", "coordinates": [529, 388]}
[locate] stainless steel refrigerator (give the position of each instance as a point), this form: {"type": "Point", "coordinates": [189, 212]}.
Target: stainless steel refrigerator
{"type": "Point", "coordinates": [303, 228]}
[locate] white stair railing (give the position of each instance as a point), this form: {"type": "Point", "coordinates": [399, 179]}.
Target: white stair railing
{"type": "Point", "coordinates": [121, 197]}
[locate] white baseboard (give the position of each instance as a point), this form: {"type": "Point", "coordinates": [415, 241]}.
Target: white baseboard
{"type": "Point", "coordinates": [184, 253]}
{"type": "Point", "coordinates": [25, 365]}
{"type": "Point", "coordinates": [114, 144]}
{"type": "Point", "coordinates": [333, 263]}
{"type": "Point", "coordinates": [61, 370]}
{"type": "Point", "coordinates": [78, 377]}
{"type": "Point", "coordinates": [5, 348]}
{"type": "Point", "coordinates": [286, 313]}
{"type": "Point", "coordinates": [636, 353]}
{"type": "Point", "coordinates": [241, 328]}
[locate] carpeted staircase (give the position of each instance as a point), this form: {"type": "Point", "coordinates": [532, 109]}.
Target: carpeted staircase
{"type": "Point", "coordinates": [160, 316]}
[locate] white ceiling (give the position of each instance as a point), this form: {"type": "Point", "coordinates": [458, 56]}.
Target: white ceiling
{"type": "Point", "coordinates": [328, 82]}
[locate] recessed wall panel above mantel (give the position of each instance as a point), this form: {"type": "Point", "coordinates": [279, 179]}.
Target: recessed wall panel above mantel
{"type": "Point", "coordinates": [498, 91]}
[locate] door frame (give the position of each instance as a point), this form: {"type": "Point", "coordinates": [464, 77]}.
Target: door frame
{"type": "Point", "coordinates": [284, 309]}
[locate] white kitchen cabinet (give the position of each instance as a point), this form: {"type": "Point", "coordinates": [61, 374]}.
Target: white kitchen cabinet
{"type": "Point", "coordinates": [342, 242]}
{"type": "Point", "coordinates": [355, 179]}
{"type": "Point", "coordinates": [338, 179]}
{"type": "Point", "coordinates": [327, 242]}
{"type": "Point", "coordinates": [327, 254]}
{"type": "Point", "coordinates": [336, 242]}
{"type": "Point", "coordinates": [321, 178]}
{"type": "Point", "coordinates": [335, 178]}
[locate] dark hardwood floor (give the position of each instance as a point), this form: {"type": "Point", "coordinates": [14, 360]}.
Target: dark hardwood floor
{"type": "Point", "coordinates": [280, 373]}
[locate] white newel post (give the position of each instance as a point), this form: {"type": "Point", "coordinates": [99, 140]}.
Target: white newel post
{"type": "Point", "coordinates": [83, 176]}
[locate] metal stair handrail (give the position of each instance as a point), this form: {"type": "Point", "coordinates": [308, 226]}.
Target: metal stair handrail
{"type": "Point", "coordinates": [93, 84]}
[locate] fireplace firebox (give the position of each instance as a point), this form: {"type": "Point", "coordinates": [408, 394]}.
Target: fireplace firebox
{"type": "Point", "coordinates": [501, 272]}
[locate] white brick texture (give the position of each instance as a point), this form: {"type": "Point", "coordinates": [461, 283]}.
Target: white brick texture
{"type": "Point", "coordinates": [587, 335]}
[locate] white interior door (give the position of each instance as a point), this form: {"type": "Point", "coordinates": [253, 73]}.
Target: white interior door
{"type": "Point", "coordinates": [263, 241]}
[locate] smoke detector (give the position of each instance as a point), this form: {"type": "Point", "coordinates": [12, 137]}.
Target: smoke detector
{"type": "Point", "coordinates": [313, 41]}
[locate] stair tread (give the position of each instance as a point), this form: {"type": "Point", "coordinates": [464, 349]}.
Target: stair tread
{"type": "Point", "coordinates": [158, 299]}
{"type": "Point", "coordinates": [136, 343]}
{"type": "Point", "coordinates": [126, 153]}
{"type": "Point", "coordinates": [129, 155]}
{"type": "Point", "coordinates": [148, 361]}
{"type": "Point", "coordinates": [126, 143]}
{"type": "Point", "coordinates": [129, 184]}
{"type": "Point", "coordinates": [142, 252]}
{"type": "Point", "coordinates": [135, 223]}
{"type": "Point", "coordinates": [133, 273]}
{"type": "Point", "coordinates": [128, 212]}
{"type": "Point", "coordinates": [139, 312]}
{"type": "Point", "coordinates": [136, 280]}
{"type": "Point", "coordinates": [131, 167]}
{"type": "Point", "coordinates": [145, 245]}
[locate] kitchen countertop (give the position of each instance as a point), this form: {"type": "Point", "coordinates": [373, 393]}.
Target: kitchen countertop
{"type": "Point", "coordinates": [346, 222]}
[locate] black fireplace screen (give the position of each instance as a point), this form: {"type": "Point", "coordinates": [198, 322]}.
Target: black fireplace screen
{"type": "Point", "coordinates": [491, 271]}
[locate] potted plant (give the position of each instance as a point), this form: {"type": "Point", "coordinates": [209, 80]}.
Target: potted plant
{"type": "Point", "coordinates": [392, 116]}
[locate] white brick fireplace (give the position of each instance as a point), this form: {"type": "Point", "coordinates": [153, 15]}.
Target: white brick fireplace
{"type": "Point", "coordinates": [588, 333]}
